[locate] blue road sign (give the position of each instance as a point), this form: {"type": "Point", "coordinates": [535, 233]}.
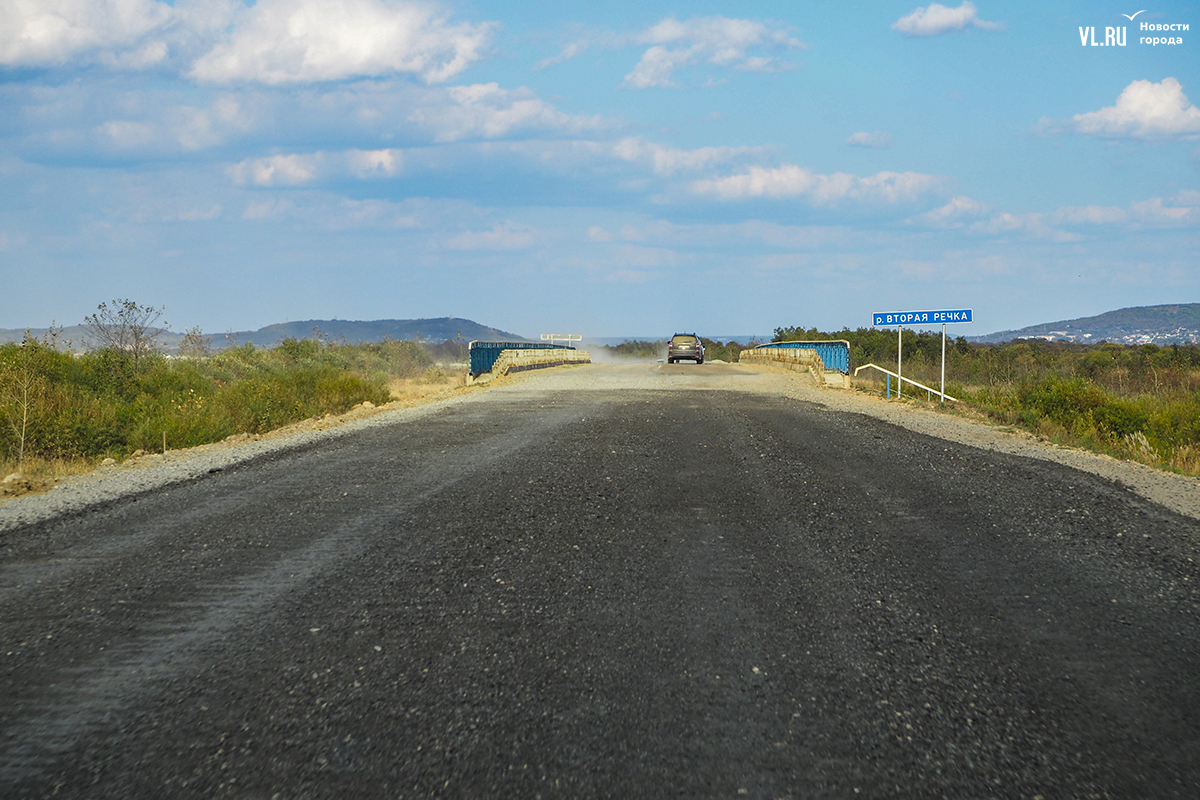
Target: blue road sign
{"type": "Point", "coordinates": [884, 318]}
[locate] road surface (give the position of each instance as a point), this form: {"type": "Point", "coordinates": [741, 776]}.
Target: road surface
{"type": "Point", "coordinates": [638, 581]}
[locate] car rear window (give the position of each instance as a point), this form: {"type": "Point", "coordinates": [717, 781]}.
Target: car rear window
{"type": "Point", "coordinates": [684, 340]}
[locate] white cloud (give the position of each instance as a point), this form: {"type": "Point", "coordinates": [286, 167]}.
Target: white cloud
{"type": "Point", "coordinates": [486, 111]}
{"type": "Point", "coordinates": [1155, 213]}
{"type": "Point", "coordinates": [282, 170]}
{"type": "Point", "coordinates": [128, 133]}
{"type": "Point", "coordinates": [147, 55]}
{"type": "Point", "coordinates": [151, 121]}
{"type": "Point", "coordinates": [1183, 210]}
{"type": "Point", "coordinates": [299, 41]}
{"type": "Point", "coordinates": [664, 160]}
{"type": "Point", "coordinates": [269, 210]}
{"type": "Point", "coordinates": [53, 32]}
{"type": "Point", "coordinates": [954, 214]}
{"type": "Point", "coordinates": [505, 236]}
{"type": "Point", "coordinates": [794, 237]}
{"type": "Point", "coordinates": [374, 163]}
{"type": "Point", "coordinates": [357, 214]}
{"type": "Point", "coordinates": [162, 127]}
{"type": "Point", "coordinates": [864, 139]}
{"type": "Point", "coordinates": [1090, 215]}
{"type": "Point", "coordinates": [198, 128]}
{"type": "Point", "coordinates": [822, 190]}
{"type": "Point", "coordinates": [1035, 226]}
{"type": "Point", "coordinates": [300, 169]}
{"type": "Point", "coordinates": [569, 52]}
{"type": "Point", "coordinates": [935, 18]}
{"type": "Point", "coordinates": [1141, 215]}
{"type": "Point", "coordinates": [715, 40]}
{"type": "Point", "coordinates": [271, 41]}
{"type": "Point", "coordinates": [320, 211]}
{"type": "Point", "coordinates": [1144, 110]}
{"type": "Point", "coordinates": [656, 67]}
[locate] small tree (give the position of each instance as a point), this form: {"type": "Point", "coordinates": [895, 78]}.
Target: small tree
{"type": "Point", "coordinates": [126, 327]}
{"type": "Point", "coordinates": [459, 347]}
{"type": "Point", "coordinates": [22, 387]}
{"type": "Point", "coordinates": [195, 344]}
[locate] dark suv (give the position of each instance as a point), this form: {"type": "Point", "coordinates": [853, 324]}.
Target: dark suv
{"type": "Point", "coordinates": [685, 345]}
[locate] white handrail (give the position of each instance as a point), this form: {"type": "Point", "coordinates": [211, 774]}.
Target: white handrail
{"type": "Point", "coordinates": [909, 380]}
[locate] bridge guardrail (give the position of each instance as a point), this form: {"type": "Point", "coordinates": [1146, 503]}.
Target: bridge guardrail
{"type": "Point", "coordinates": [834, 353]}
{"type": "Point", "coordinates": [483, 355]}
{"type": "Point", "coordinates": [521, 360]}
{"type": "Point", "coordinates": [808, 355]}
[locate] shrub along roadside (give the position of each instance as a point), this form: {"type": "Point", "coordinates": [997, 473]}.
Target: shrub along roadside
{"type": "Point", "coordinates": [56, 406]}
{"type": "Point", "coordinates": [1137, 402]}
{"type": "Point", "coordinates": [1160, 429]}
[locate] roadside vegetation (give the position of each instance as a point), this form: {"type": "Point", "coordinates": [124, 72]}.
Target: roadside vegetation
{"type": "Point", "coordinates": [1134, 402]}
{"type": "Point", "coordinates": [718, 351]}
{"type": "Point", "coordinates": [62, 413]}
{"type": "Point", "coordinates": [652, 350]}
{"type": "Point", "coordinates": [641, 349]}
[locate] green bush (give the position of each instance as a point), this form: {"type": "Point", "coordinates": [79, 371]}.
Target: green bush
{"type": "Point", "coordinates": [1137, 401]}
{"type": "Point", "coordinates": [54, 405]}
{"type": "Point", "coordinates": [1062, 401]}
{"type": "Point", "coordinates": [716, 351]}
{"type": "Point", "coordinates": [637, 348]}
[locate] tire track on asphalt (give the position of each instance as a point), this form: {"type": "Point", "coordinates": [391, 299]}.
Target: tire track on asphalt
{"type": "Point", "coordinates": [58, 707]}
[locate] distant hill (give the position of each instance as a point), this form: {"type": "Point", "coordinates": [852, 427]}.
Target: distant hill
{"type": "Point", "coordinates": [76, 336]}
{"type": "Point", "coordinates": [1168, 324]}
{"type": "Point", "coordinates": [440, 329]}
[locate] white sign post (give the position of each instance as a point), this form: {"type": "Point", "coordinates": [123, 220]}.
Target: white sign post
{"type": "Point", "coordinates": [900, 318]}
{"type": "Point", "coordinates": [562, 337]}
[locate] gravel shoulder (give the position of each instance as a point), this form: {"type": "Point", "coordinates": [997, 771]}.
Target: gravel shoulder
{"type": "Point", "coordinates": [148, 473]}
{"type": "Point", "coordinates": [1180, 493]}
{"type": "Point", "coordinates": [151, 472]}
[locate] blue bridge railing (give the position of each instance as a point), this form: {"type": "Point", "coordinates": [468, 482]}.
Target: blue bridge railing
{"type": "Point", "coordinates": [834, 353]}
{"type": "Point", "coordinates": [484, 354]}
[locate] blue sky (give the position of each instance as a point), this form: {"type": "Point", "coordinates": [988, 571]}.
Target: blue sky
{"type": "Point", "coordinates": [607, 169]}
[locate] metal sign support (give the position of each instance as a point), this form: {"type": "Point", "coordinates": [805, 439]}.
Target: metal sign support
{"type": "Point", "coordinates": [899, 318]}
{"type": "Point", "coordinates": [943, 362]}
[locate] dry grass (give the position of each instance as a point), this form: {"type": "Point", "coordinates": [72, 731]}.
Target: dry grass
{"type": "Point", "coordinates": [1181, 459]}
{"type": "Point", "coordinates": [434, 382]}
{"type": "Point", "coordinates": [1186, 460]}
{"type": "Point", "coordinates": [38, 475]}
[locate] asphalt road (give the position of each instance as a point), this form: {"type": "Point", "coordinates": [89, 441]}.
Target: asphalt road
{"type": "Point", "coordinates": [675, 585]}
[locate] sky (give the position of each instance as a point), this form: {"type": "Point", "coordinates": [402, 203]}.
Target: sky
{"type": "Point", "coordinates": [609, 169]}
